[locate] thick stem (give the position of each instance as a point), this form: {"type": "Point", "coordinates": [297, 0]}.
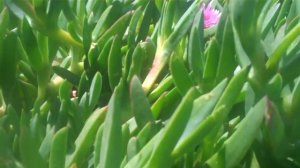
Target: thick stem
{"type": "Point", "coordinates": [159, 62]}
{"type": "Point", "coordinates": [2, 104]}
{"type": "Point", "coordinates": [64, 37]}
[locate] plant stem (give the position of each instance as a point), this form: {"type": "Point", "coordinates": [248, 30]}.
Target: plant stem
{"type": "Point", "coordinates": [159, 62]}
{"type": "Point", "coordinates": [64, 37]}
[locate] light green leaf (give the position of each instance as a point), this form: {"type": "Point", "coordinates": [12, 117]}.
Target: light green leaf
{"type": "Point", "coordinates": [86, 137]}
{"type": "Point", "coordinates": [111, 144]}
{"type": "Point", "coordinates": [202, 107]}
{"type": "Point", "coordinates": [95, 90]}
{"type": "Point", "coordinates": [139, 103]}
{"type": "Point", "coordinates": [235, 148]}
{"type": "Point", "coordinates": [172, 132]}
{"type": "Point", "coordinates": [59, 149]}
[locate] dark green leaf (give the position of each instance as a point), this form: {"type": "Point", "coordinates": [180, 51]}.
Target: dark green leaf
{"type": "Point", "coordinates": [227, 62]}
{"type": "Point", "coordinates": [118, 28]}
{"type": "Point", "coordinates": [196, 46]}
{"type": "Point", "coordinates": [115, 63]}
{"type": "Point", "coordinates": [28, 145]}
{"type": "Point", "coordinates": [133, 27]}
{"type": "Point", "coordinates": [146, 22]}
{"type": "Point", "coordinates": [66, 74]}
{"type": "Point", "coordinates": [283, 12]}
{"type": "Point", "coordinates": [212, 58]}
{"type": "Point", "coordinates": [8, 64]}
{"type": "Point", "coordinates": [136, 66]}
{"type": "Point", "coordinates": [181, 28]}
{"type": "Point", "coordinates": [83, 85]}
{"type": "Point", "coordinates": [180, 74]}
{"type": "Point", "coordinates": [139, 104]}
{"type": "Point", "coordinates": [104, 54]}
{"type": "Point", "coordinates": [54, 10]}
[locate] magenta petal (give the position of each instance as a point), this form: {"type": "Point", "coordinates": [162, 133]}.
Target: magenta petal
{"type": "Point", "coordinates": [211, 16]}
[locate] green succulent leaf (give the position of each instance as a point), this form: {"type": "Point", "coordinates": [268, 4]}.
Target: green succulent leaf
{"type": "Point", "coordinates": [235, 147]}
{"type": "Point", "coordinates": [118, 28]}
{"type": "Point", "coordinates": [110, 155]}
{"type": "Point", "coordinates": [139, 83]}
{"type": "Point", "coordinates": [227, 61]}
{"type": "Point", "coordinates": [139, 103]}
{"type": "Point", "coordinates": [196, 46]}
{"type": "Point", "coordinates": [95, 90]}
{"type": "Point", "coordinates": [86, 137]}
{"type": "Point", "coordinates": [180, 74]}
{"type": "Point", "coordinates": [66, 74]}
{"type": "Point", "coordinates": [172, 131]}
{"type": "Point", "coordinates": [59, 149]}
{"type": "Point", "coordinates": [202, 108]}
{"type": "Point", "coordinates": [115, 63]}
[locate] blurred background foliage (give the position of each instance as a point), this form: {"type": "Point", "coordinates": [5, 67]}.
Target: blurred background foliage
{"type": "Point", "coordinates": [142, 83]}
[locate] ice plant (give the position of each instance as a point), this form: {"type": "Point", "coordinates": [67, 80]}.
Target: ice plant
{"type": "Point", "coordinates": [161, 83]}
{"type": "Point", "coordinates": [211, 15]}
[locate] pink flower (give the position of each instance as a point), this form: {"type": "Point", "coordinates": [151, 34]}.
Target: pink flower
{"type": "Point", "coordinates": [211, 16]}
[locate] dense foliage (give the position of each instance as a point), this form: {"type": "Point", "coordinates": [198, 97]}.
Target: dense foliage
{"type": "Point", "coordinates": [149, 83]}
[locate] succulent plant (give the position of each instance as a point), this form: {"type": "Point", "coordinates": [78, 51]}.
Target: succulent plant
{"type": "Point", "coordinates": [149, 83]}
